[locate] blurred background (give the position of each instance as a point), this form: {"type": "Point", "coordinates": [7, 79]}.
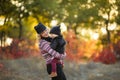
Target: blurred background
{"type": "Point", "coordinates": [91, 29]}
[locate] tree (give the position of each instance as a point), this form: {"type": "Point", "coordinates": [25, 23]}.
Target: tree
{"type": "Point", "coordinates": [73, 12]}
{"type": "Point", "coordinates": [106, 8]}
{"type": "Point", "coordinates": [5, 10]}
{"type": "Point", "coordinates": [92, 13]}
{"type": "Point", "coordinates": [16, 11]}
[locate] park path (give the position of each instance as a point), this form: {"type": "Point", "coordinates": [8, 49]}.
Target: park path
{"type": "Point", "coordinates": [34, 69]}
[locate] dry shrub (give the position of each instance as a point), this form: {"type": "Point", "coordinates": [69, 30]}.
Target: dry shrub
{"type": "Point", "coordinates": [106, 56]}
{"type": "Point", "coordinates": [18, 49]}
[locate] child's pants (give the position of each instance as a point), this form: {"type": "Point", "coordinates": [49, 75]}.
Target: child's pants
{"type": "Point", "coordinates": [53, 64]}
{"type": "Point", "coordinates": [60, 73]}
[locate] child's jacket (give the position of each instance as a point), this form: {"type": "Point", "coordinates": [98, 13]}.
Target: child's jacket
{"type": "Point", "coordinates": [58, 44]}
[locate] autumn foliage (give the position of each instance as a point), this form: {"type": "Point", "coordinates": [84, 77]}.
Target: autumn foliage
{"type": "Point", "coordinates": [78, 50]}
{"type": "Point", "coordinates": [109, 54]}
{"type": "Point", "coordinates": [117, 49]}
{"type": "Point", "coordinates": [106, 56]}
{"type": "Point", "coordinates": [18, 49]}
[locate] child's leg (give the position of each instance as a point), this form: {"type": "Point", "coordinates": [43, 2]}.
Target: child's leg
{"type": "Point", "coordinates": [53, 66]}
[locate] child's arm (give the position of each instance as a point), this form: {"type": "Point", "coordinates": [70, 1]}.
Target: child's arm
{"type": "Point", "coordinates": [45, 46]}
{"type": "Point", "coordinates": [54, 44]}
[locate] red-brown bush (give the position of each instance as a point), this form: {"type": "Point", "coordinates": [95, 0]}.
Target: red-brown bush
{"type": "Point", "coordinates": [18, 49]}
{"type": "Point", "coordinates": [106, 56]}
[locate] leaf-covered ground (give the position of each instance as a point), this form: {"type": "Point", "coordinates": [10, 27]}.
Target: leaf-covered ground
{"type": "Point", "coordinates": [35, 69]}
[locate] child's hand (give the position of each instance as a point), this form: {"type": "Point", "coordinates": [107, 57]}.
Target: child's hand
{"type": "Point", "coordinates": [50, 35]}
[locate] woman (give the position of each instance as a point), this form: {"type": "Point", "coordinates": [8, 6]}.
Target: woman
{"type": "Point", "coordinates": [48, 53]}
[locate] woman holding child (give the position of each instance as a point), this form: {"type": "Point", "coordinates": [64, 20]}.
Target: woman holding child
{"type": "Point", "coordinates": [52, 49]}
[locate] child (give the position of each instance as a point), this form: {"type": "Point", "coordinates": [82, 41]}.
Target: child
{"type": "Point", "coordinates": [58, 44]}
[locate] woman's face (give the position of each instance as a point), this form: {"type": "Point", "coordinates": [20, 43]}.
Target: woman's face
{"type": "Point", "coordinates": [45, 33]}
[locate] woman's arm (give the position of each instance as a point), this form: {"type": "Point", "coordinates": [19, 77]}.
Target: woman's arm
{"type": "Point", "coordinates": [46, 46]}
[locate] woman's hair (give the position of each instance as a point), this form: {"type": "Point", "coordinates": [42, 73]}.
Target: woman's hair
{"type": "Point", "coordinates": [39, 36]}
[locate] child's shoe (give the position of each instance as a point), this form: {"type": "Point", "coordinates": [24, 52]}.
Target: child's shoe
{"type": "Point", "coordinates": [53, 74]}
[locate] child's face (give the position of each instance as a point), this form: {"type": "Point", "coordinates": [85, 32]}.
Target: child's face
{"type": "Point", "coordinates": [53, 35]}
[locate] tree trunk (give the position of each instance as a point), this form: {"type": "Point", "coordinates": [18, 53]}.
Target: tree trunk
{"type": "Point", "coordinates": [2, 40]}
{"type": "Point", "coordinates": [75, 29]}
{"type": "Point", "coordinates": [20, 23]}
{"type": "Point", "coordinates": [20, 29]}
{"type": "Point", "coordinates": [108, 35]}
{"type": "Point", "coordinates": [108, 32]}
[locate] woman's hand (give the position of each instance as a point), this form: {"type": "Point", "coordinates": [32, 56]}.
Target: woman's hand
{"type": "Point", "coordinates": [63, 55]}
